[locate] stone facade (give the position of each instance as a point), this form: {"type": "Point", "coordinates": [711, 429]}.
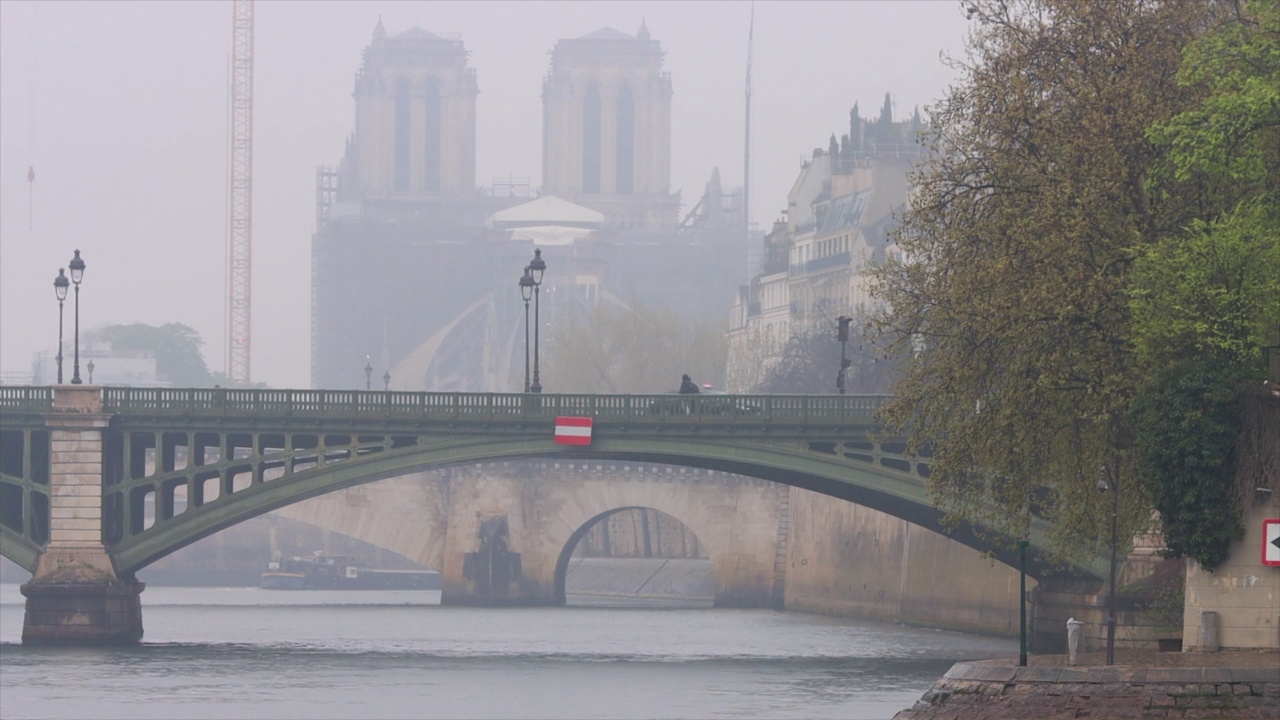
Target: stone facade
{"type": "Point", "coordinates": [607, 128]}
{"type": "Point", "coordinates": [74, 596]}
{"type": "Point", "coordinates": [451, 519]}
{"type": "Point", "coordinates": [1242, 594]}
{"type": "Point", "coordinates": [415, 117]}
{"type": "Point", "coordinates": [845, 559]}
{"type": "Point", "coordinates": [765, 541]}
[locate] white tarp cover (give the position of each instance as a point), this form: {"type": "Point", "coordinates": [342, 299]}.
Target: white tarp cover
{"type": "Point", "coordinates": [550, 234]}
{"type": "Point", "coordinates": [547, 210]}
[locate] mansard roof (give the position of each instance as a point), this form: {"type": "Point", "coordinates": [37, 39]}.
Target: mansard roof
{"type": "Point", "coordinates": [846, 211]}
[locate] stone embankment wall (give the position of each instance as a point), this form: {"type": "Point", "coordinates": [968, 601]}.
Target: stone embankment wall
{"type": "Point", "coordinates": [844, 559]}
{"type": "Point", "coordinates": [1242, 595]}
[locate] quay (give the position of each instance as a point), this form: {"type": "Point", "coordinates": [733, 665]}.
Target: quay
{"type": "Point", "coordinates": [1142, 685]}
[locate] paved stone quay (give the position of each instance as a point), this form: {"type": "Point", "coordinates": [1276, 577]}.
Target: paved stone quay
{"type": "Point", "coordinates": [1231, 685]}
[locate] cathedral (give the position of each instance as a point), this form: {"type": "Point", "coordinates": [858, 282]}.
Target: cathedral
{"type": "Point", "coordinates": [415, 264]}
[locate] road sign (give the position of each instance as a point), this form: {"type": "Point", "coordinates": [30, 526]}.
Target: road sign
{"type": "Point", "coordinates": [1271, 541]}
{"type": "Point", "coordinates": [573, 431]}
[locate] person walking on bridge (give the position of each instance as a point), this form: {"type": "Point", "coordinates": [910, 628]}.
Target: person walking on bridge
{"type": "Point", "coordinates": [687, 387]}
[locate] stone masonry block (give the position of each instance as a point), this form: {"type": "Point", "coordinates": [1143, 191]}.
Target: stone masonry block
{"type": "Point", "coordinates": [76, 474]}
{"type": "Point", "coordinates": [74, 491]}
{"type": "Point", "coordinates": [85, 501]}
{"type": "Point", "coordinates": [68, 517]}
{"type": "Point", "coordinates": [60, 527]}
{"type": "Point", "coordinates": [76, 537]}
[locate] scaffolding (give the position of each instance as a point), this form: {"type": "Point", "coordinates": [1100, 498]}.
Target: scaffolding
{"type": "Point", "coordinates": [240, 245]}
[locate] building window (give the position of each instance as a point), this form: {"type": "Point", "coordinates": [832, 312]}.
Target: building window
{"type": "Point", "coordinates": [591, 140]}
{"type": "Point", "coordinates": [626, 141]}
{"type": "Point", "coordinates": [402, 134]}
{"type": "Point", "coordinates": [433, 134]}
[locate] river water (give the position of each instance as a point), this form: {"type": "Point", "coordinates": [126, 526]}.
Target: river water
{"type": "Point", "coordinates": [247, 653]}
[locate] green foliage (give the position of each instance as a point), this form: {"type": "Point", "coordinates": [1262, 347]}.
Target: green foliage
{"type": "Point", "coordinates": [614, 348]}
{"type": "Point", "coordinates": [1017, 249]}
{"type": "Point", "coordinates": [1231, 141]}
{"type": "Point", "coordinates": [1188, 418]}
{"type": "Point", "coordinates": [176, 348]}
{"type": "Point", "coordinates": [1213, 292]}
{"type": "Point", "coordinates": [1207, 299]}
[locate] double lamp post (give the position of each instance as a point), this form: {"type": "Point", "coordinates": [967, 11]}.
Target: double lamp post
{"type": "Point", "coordinates": [60, 285]}
{"type": "Point", "coordinates": [530, 288]}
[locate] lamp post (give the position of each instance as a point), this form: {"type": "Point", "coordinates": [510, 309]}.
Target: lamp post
{"type": "Point", "coordinates": [842, 334]}
{"type": "Point", "coordinates": [77, 274]}
{"type": "Point", "coordinates": [386, 380]}
{"type": "Point", "coordinates": [60, 285]}
{"type": "Point", "coordinates": [1108, 482]}
{"type": "Point", "coordinates": [526, 292]}
{"type": "Point", "coordinates": [537, 266]}
{"type": "Point", "coordinates": [368, 373]}
{"type": "Point", "coordinates": [1022, 603]}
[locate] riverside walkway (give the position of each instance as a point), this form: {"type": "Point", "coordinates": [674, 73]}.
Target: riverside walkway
{"type": "Point", "coordinates": [1141, 685]}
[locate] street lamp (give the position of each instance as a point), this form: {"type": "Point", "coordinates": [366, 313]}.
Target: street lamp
{"type": "Point", "coordinates": [368, 372]}
{"type": "Point", "coordinates": [526, 291]}
{"type": "Point", "coordinates": [1108, 482]}
{"type": "Point", "coordinates": [1022, 603]}
{"type": "Point", "coordinates": [77, 274]}
{"type": "Point", "coordinates": [386, 380]}
{"type": "Point", "coordinates": [537, 266]}
{"type": "Point", "coordinates": [60, 285]}
{"type": "Point", "coordinates": [842, 334]}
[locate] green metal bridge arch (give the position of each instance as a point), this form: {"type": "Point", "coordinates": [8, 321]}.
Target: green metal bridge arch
{"type": "Point", "coordinates": [180, 465]}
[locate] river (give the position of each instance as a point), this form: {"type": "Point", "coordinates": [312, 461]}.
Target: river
{"type": "Point", "coordinates": [246, 653]}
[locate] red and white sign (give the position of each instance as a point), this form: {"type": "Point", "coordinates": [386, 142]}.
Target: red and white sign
{"type": "Point", "coordinates": [573, 431]}
{"type": "Point", "coordinates": [1271, 541]}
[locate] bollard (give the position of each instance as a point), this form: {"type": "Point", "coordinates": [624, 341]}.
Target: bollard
{"type": "Point", "coordinates": [1073, 639]}
{"type": "Point", "coordinates": [1208, 639]}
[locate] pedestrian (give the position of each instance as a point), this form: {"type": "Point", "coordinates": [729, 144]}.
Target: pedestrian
{"type": "Point", "coordinates": [687, 387]}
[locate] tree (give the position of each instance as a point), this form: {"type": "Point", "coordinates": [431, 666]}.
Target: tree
{"type": "Point", "coordinates": [616, 348]}
{"type": "Point", "coordinates": [1205, 301]}
{"type": "Point", "coordinates": [1210, 290]}
{"type": "Point", "coordinates": [1011, 291]}
{"type": "Point", "coordinates": [811, 360]}
{"type": "Point", "coordinates": [176, 348]}
{"type": "Point", "coordinates": [1189, 417]}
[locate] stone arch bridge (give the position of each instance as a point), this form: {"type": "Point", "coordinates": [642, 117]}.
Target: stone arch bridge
{"type": "Point", "coordinates": [96, 483]}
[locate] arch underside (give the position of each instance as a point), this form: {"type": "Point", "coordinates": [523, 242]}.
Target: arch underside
{"type": "Point", "coordinates": [866, 483]}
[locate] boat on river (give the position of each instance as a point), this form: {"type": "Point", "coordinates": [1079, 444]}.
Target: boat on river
{"type": "Point", "coordinates": [323, 571]}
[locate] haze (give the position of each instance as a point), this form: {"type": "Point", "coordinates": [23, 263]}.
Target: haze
{"type": "Point", "coordinates": [121, 108]}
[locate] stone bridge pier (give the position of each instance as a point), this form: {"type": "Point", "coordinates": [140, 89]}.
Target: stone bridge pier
{"type": "Point", "coordinates": [501, 533]}
{"type": "Point", "coordinates": [74, 596]}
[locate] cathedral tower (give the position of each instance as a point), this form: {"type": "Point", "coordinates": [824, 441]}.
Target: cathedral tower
{"type": "Point", "coordinates": [415, 118]}
{"type": "Point", "coordinates": [607, 128]}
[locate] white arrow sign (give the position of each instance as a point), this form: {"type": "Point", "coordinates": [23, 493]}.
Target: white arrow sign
{"type": "Point", "coordinates": [1271, 541]}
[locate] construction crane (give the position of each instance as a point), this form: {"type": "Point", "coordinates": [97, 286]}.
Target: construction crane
{"type": "Point", "coordinates": [240, 240]}
{"type": "Point", "coordinates": [746, 136]}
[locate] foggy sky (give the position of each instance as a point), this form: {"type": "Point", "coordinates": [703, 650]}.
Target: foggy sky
{"type": "Point", "coordinates": [121, 107]}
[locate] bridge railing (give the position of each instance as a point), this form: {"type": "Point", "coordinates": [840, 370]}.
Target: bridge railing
{"type": "Point", "coordinates": [26, 398]}
{"type": "Point", "coordinates": [479, 406]}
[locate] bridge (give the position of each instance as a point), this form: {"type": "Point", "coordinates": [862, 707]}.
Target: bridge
{"type": "Point", "coordinates": [96, 483]}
